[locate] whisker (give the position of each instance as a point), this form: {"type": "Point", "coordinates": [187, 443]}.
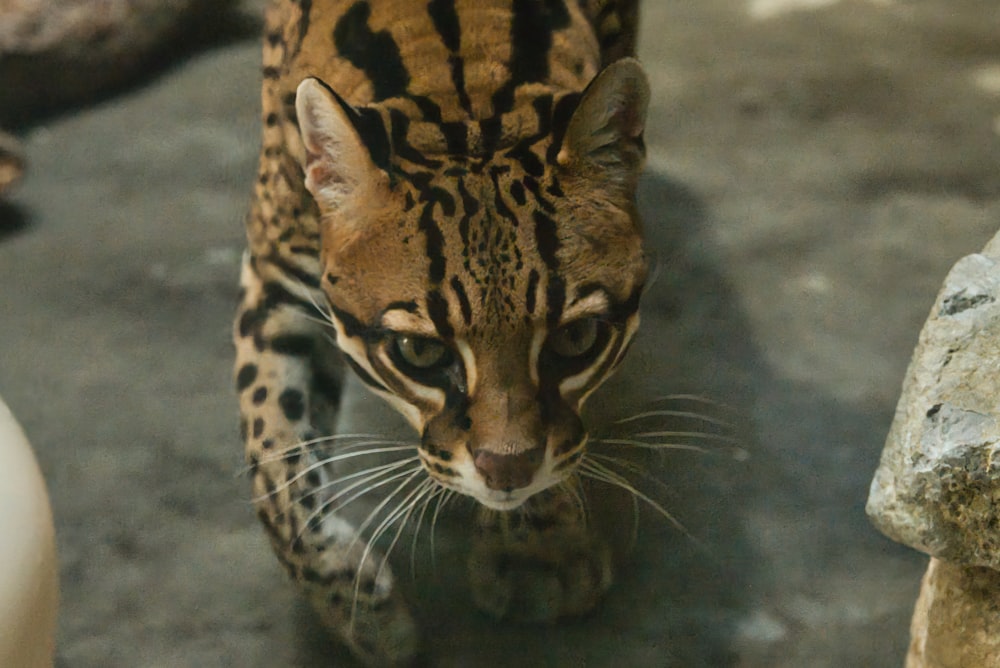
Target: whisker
{"type": "Point", "coordinates": [677, 413]}
{"type": "Point", "coordinates": [325, 322]}
{"type": "Point", "coordinates": [634, 468]}
{"type": "Point", "coordinates": [391, 517]}
{"type": "Point", "coordinates": [329, 483]}
{"type": "Point", "coordinates": [319, 309]}
{"type": "Point", "coordinates": [694, 398]}
{"type": "Point", "coordinates": [703, 435]}
{"type": "Point", "coordinates": [411, 502]}
{"type": "Point", "coordinates": [320, 463]}
{"type": "Point", "coordinates": [367, 482]}
{"type": "Point", "coordinates": [597, 471]}
{"type": "Point", "coordinates": [572, 487]}
{"type": "Point", "coordinates": [443, 500]}
{"type": "Point", "coordinates": [438, 491]}
{"type": "Point", "coordinates": [296, 448]}
{"type": "Point", "coordinates": [361, 483]}
{"type": "Point", "coordinates": [289, 450]}
{"type": "Point", "coordinates": [409, 474]}
{"type": "Point", "coordinates": [654, 446]}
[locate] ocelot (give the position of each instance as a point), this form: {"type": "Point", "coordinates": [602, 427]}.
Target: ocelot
{"type": "Point", "coordinates": [446, 189]}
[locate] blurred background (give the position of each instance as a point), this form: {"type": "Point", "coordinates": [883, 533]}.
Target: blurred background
{"type": "Point", "coordinates": [815, 168]}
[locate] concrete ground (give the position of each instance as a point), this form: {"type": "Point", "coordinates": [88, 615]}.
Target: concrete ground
{"type": "Point", "coordinates": [813, 174]}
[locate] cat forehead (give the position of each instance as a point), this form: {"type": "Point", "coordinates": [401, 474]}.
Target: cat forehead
{"type": "Point", "coordinates": [467, 187]}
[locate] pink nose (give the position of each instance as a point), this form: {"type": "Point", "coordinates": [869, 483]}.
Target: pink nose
{"type": "Point", "coordinates": [508, 472]}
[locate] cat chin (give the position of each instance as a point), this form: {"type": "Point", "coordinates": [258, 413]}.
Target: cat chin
{"type": "Point", "coordinates": [506, 501]}
{"type": "Point", "coordinates": [511, 502]}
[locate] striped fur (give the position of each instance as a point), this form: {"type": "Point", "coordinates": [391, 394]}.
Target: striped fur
{"type": "Point", "coordinates": [453, 180]}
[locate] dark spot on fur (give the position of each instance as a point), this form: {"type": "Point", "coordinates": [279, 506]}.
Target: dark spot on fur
{"type": "Point", "coordinates": [246, 376]}
{"type": "Point", "coordinates": [292, 404]}
{"type": "Point", "coordinates": [294, 345]}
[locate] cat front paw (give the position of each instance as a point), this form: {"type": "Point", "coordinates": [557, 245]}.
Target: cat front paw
{"type": "Point", "coordinates": [540, 579]}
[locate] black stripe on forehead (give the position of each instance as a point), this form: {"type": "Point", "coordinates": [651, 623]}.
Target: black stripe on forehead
{"type": "Point", "coordinates": [435, 243]}
{"type": "Point", "coordinates": [400, 126]}
{"type": "Point", "coordinates": [375, 53]}
{"type": "Point", "coordinates": [463, 299]}
{"type": "Point", "coordinates": [437, 309]}
{"type": "Point", "coordinates": [547, 239]}
{"type": "Point", "coordinates": [445, 19]}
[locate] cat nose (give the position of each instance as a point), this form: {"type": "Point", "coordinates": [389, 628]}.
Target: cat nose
{"type": "Point", "coordinates": [508, 472]}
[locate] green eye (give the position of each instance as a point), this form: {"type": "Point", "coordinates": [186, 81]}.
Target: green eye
{"type": "Point", "coordinates": [576, 339]}
{"type": "Point", "coordinates": [419, 353]}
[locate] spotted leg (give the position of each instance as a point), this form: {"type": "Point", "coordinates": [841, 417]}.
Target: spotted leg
{"type": "Point", "coordinates": [288, 378]}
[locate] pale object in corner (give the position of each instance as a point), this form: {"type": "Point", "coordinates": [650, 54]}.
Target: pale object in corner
{"type": "Point", "coordinates": [29, 591]}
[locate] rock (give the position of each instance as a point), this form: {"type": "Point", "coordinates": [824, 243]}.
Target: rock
{"type": "Point", "coordinates": [11, 162]}
{"type": "Point", "coordinates": [937, 488]}
{"type": "Point", "coordinates": [956, 618]}
{"type": "Point", "coordinates": [53, 52]}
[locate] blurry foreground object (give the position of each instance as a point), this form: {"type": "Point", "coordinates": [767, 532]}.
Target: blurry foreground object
{"type": "Point", "coordinates": [58, 52]}
{"type": "Point", "coordinates": [29, 591]}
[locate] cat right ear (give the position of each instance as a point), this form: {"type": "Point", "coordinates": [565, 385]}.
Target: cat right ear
{"type": "Point", "coordinates": [346, 150]}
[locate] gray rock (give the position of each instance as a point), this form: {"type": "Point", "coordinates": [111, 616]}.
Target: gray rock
{"type": "Point", "coordinates": [937, 488]}
{"type": "Point", "coordinates": [57, 51]}
{"type": "Point", "coordinates": [956, 617]}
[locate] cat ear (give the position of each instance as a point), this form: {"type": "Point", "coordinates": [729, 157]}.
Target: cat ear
{"type": "Point", "coordinates": [605, 130]}
{"type": "Point", "coordinates": [346, 149]}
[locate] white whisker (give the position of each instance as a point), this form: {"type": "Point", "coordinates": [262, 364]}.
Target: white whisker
{"type": "Point", "coordinates": [318, 464]}
{"type": "Point", "coordinates": [438, 491]}
{"type": "Point", "coordinates": [443, 500]}
{"type": "Point", "coordinates": [391, 517]}
{"type": "Point", "coordinates": [597, 471]}
{"type": "Point", "coordinates": [702, 435]}
{"type": "Point", "coordinates": [367, 482]}
{"type": "Point", "coordinates": [410, 503]}
{"type": "Point", "coordinates": [676, 413]}
{"type": "Point", "coordinates": [654, 446]}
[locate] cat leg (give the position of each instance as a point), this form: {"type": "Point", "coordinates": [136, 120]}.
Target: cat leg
{"type": "Point", "coordinates": [288, 380]}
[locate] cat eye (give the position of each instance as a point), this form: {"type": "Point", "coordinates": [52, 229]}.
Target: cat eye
{"type": "Point", "coordinates": [577, 339]}
{"type": "Point", "coordinates": [418, 354]}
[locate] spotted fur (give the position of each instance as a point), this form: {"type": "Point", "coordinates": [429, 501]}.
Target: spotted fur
{"type": "Point", "coordinates": [453, 182]}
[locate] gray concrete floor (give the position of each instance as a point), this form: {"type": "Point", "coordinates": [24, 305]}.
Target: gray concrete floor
{"type": "Point", "coordinates": [812, 177]}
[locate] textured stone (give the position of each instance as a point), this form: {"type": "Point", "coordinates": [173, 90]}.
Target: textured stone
{"type": "Point", "coordinates": [937, 488]}
{"type": "Point", "coordinates": [57, 51]}
{"type": "Point", "coordinates": [956, 619]}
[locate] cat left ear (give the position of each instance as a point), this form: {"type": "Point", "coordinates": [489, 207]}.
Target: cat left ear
{"type": "Point", "coordinates": [346, 151]}
{"type": "Point", "coordinates": [606, 128]}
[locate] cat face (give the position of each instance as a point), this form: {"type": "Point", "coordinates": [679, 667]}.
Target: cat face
{"type": "Point", "coordinates": [484, 292]}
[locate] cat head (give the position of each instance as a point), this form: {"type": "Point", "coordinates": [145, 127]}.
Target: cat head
{"type": "Point", "coordinates": [484, 276]}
